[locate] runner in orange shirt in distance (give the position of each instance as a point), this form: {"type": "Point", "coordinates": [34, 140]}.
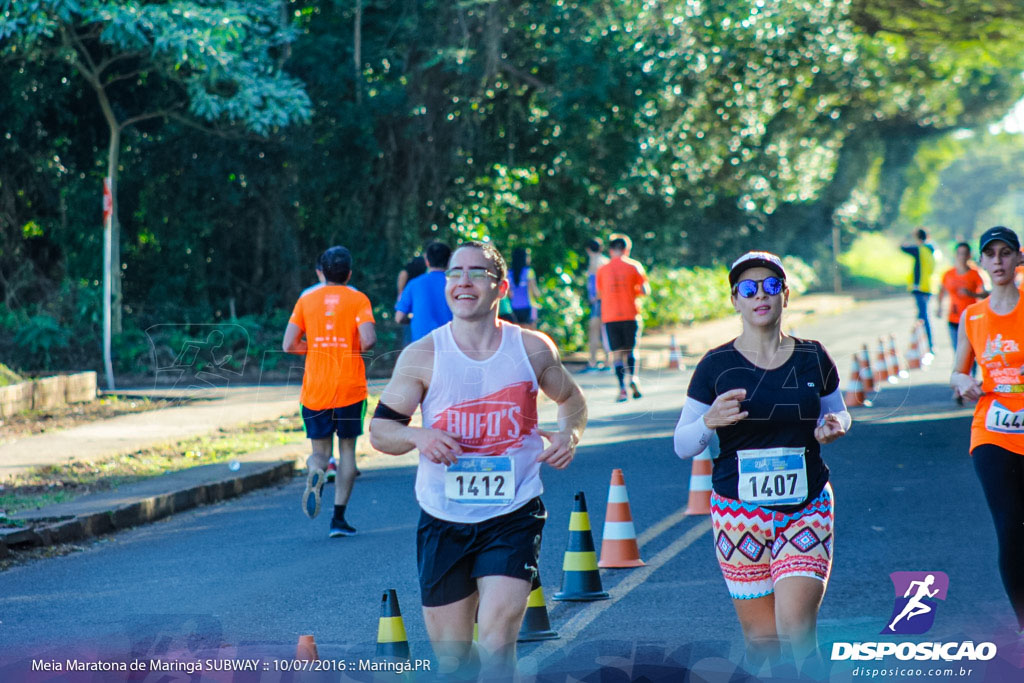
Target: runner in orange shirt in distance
{"type": "Point", "coordinates": [620, 282]}
{"type": "Point", "coordinates": [964, 286]}
{"type": "Point", "coordinates": [331, 326]}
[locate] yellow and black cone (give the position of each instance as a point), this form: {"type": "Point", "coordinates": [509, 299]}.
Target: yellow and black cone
{"type": "Point", "coordinates": [581, 580]}
{"type": "Point", "coordinates": [392, 643]}
{"type": "Point", "coordinates": [536, 625]}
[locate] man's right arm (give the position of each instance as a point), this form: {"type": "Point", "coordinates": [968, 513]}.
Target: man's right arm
{"type": "Point", "coordinates": [389, 429]}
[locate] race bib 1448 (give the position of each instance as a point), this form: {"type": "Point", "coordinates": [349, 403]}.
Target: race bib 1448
{"type": "Point", "coordinates": [1003, 420]}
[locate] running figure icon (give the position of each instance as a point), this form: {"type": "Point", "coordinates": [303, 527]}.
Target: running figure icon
{"type": "Point", "coordinates": [915, 607]}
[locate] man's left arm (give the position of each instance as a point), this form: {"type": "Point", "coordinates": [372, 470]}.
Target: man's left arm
{"type": "Point", "coordinates": [556, 382]}
{"type": "Point", "coordinates": [642, 286]}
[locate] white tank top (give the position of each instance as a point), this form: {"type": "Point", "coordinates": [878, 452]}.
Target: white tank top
{"type": "Point", "coordinates": [491, 407]}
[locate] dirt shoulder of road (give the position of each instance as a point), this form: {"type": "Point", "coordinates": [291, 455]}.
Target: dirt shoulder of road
{"type": "Point", "coordinates": [32, 422]}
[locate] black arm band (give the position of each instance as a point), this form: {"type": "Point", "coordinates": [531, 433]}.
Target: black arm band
{"type": "Point", "coordinates": [386, 412]}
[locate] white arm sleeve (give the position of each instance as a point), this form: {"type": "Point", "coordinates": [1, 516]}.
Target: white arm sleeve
{"type": "Point", "coordinates": [692, 436]}
{"type": "Point", "coordinates": [833, 403]}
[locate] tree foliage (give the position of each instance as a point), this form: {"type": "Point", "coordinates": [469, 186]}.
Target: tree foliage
{"type": "Point", "coordinates": [699, 128]}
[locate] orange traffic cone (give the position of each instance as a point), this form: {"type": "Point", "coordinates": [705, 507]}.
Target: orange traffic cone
{"type": "Point", "coordinates": [867, 378]}
{"type": "Point", "coordinates": [700, 485]}
{"type": "Point", "coordinates": [881, 369]}
{"type": "Point", "coordinates": [392, 643]}
{"type": "Point", "coordinates": [891, 363]}
{"type": "Point", "coordinates": [894, 359]}
{"type": "Point", "coordinates": [674, 358]}
{"type": "Point", "coordinates": [854, 392]}
{"type": "Point", "coordinates": [581, 580]}
{"type": "Point", "coordinates": [618, 542]}
{"type": "Point", "coordinates": [306, 651]}
{"type": "Point", "coordinates": [914, 350]}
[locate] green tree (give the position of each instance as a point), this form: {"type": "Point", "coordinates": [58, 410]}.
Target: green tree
{"type": "Point", "coordinates": [219, 62]}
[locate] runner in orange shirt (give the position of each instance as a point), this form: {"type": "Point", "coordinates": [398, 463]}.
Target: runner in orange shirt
{"type": "Point", "coordinates": [964, 285]}
{"type": "Point", "coordinates": [992, 331]}
{"type": "Point", "coordinates": [620, 282]}
{"type": "Point", "coordinates": [338, 325]}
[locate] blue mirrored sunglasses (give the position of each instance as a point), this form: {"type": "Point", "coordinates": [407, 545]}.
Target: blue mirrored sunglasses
{"type": "Point", "coordinates": [748, 288]}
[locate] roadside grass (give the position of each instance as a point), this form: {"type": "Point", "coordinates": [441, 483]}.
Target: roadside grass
{"type": "Point", "coordinates": [875, 260]}
{"type": "Point", "coordinates": [65, 481]}
{"type": "Point", "coordinates": [8, 376]}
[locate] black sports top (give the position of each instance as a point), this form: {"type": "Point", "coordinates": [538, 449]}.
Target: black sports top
{"type": "Point", "coordinates": [783, 405]}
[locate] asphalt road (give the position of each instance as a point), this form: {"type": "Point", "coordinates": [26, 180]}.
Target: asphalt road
{"type": "Point", "coordinates": [245, 578]}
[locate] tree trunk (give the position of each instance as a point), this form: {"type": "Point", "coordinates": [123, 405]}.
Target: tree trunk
{"type": "Point", "coordinates": [113, 155]}
{"type": "Point", "coordinates": [357, 51]}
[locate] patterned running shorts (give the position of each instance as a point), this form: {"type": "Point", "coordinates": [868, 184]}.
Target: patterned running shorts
{"type": "Point", "coordinates": [756, 546]}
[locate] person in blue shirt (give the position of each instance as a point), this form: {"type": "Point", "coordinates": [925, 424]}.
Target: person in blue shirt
{"type": "Point", "coordinates": [422, 300]}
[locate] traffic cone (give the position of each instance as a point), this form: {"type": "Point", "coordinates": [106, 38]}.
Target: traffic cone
{"type": "Point", "coordinates": [892, 364]}
{"type": "Point", "coordinates": [618, 542]}
{"type": "Point", "coordinates": [581, 580]}
{"type": "Point", "coordinates": [674, 358]}
{"type": "Point", "coordinates": [306, 651]}
{"type": "Point", "coordinates": [914, 352]}
{"type": "Point", "coordinates": [700, 485]}
{"type": "Point", "coordinates": [392, 643]}
{"type": "Point", "coordinates": [881, 369]}
{"type": "Point", "coordinates": [867, 378]}
{"type": "Point", "coordinates": [894, 359]}
{"type": "Point", "coordinates": [854, 392]}
{"type": "Point", "coordinates": [536, 625]}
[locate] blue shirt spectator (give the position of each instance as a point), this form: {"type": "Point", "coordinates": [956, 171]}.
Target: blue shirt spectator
{"type": "Point", "coordinates": [423, 297]}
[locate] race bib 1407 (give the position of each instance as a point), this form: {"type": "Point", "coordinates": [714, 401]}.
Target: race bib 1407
{"type": "Point", "coordinates": [772, 476]}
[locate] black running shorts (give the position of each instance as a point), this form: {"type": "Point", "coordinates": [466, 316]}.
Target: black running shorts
{"type": "Point", "coordinates": [621, 334]}
{"type": "Point", "coordinates": [347, 421]}
{"type": "Point", "coordinates": [451, 556]}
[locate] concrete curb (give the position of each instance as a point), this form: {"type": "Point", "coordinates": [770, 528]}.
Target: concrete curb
{"type": "Point", "coordinates": [44, 529]}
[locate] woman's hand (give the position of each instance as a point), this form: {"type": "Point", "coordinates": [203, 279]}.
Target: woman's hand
{"type": "Point", "coordinates": [966, 386]}
{"type": "Point", "coordinates": [829, 430]}
{"type": "Point", "coordinates": [725, 410]}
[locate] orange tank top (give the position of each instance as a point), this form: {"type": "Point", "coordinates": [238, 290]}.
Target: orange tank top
{"type": "Point", "coordinates": [996, 341]}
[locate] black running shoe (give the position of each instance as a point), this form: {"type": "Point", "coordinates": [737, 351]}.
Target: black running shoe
{"type": "Point", "coordinates": [341, 529]}
{"type": "Point", "coordinates": [634, 385]}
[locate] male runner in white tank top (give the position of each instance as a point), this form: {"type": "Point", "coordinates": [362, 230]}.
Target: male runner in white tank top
{"type": "Point", "coordinates": [478, 483]}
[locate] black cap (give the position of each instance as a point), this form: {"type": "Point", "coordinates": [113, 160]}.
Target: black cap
{"type": "Point", "coordinates": [999, 233]}
{"type": "Point", "coordinates": [755, 259]}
